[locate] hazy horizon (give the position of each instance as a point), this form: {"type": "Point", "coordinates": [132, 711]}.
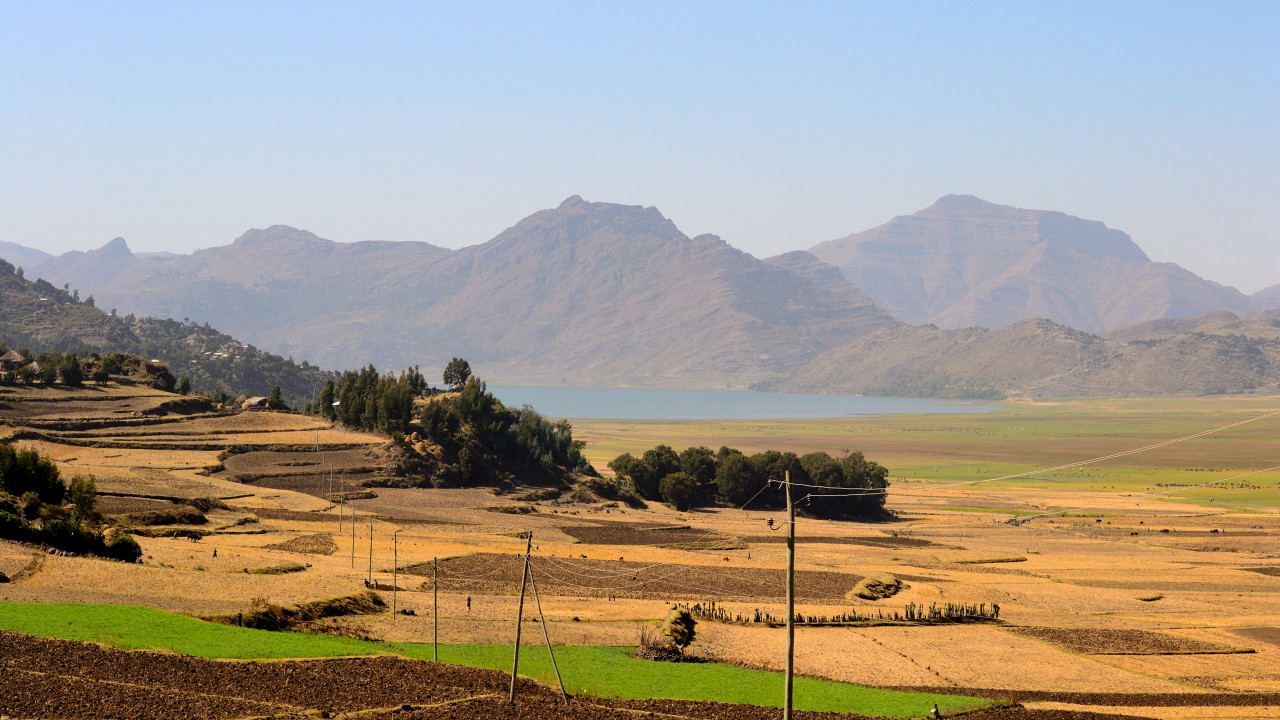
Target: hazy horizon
{"type": "Point", "coordinates": [179, 128]}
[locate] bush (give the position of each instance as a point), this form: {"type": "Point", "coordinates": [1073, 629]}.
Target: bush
{"type": "Point", "coordinates": [123, 547]}
{"type": "Point", "coordinates": [11, 526]}
{"type": "Point", "coordinates": [679, 627]}
{"type": "Point", "coordinates": [680, 489]}
{"type": "Point", "coordinates": [25, 471]}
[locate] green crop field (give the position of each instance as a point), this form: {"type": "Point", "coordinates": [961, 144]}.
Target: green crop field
{"type": "Point", "coordinates": [612, 672]}
{"type": "Point", "coordinates": [600, 671]}
{"type": "Point", "coordinates": [141, 628]}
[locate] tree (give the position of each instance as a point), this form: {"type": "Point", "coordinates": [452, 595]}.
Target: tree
{"type": "Point", "coordinates": [649, 470]}
{"type": "Point", "coordinates": [184, 385]}
{"type": "Point", "coordinates": [275, 400]}
{"type": "Point", "coordinates": [101, 376]}
{"type": "Point", "coordinates": [71, 370]}
{"type": "Point", "coordinates": [324, 405]}
{"type": "Point", "coordinates": [48, 373]}
{"type": "Point", "coordinates": [680, 489]}
{"type": "Point", "coordinates": [700, 463]}
{"type": "Point", "coordinates": [737, 479]}
{"type": "Point", "coordinates": [456, 373]}
{"type": "Point", "coordinates": [84, 497]}
{"type": "Point", "coordinates": [25, 471]}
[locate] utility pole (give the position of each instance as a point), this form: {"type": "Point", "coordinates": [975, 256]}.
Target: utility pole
{"type": "Point", "coordinates": [370, 581]}
{"type": "Point", "coordinates": [395, 570]}
{"type": "Point", "coordinates": [791, 599]}
{"type": "Point", "coordinates": [547, 635]}
{"type": "Point", "coordinates": [435, 609]}
{"type": "Point", "coordinates": [515, 663]}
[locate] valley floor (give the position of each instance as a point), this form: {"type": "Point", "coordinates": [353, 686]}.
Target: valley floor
{"type": "Point", "coordinates": [1122, 588]}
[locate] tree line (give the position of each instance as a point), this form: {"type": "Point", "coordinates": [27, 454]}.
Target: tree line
{"type": "Point", "coordinates": [702, 476]}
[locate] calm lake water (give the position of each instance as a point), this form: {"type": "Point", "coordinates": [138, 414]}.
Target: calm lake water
{"type": "Point", "coordinates": [651, 404]}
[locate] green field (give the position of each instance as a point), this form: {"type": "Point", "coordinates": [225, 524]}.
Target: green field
{"type": "Point", "coordinates": [142, 628]}
{"type": "Point", "coordinates": [588, 670]}
{"type": "Point", "coordinates": [925, 450]}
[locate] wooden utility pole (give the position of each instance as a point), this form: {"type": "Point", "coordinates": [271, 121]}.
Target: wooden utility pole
{"type": "Point", "coordinates": [435, 609]}
{"type": "Point", "coordinates": [542, 619]}
{"type": "Point", "coordinates": [791, 599]}
{"type": "Point", "coordinates": [395, 570]}
{"type": "Point", "coordinates": [515, 662]}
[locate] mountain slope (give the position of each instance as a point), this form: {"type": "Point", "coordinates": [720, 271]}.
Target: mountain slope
{"type": "Point", "coordinates": [964, 262]}
{"type": "Point", "coordinates": [592, 292]}
{"type": "Point", "coordinates": [40, 317]}
{"type": "Point", "coordinates": [1268, 299]}
{"type": "Point", "coordinates": [21, 256]}
{"type": "Point", "coordinates": [1211, 354]}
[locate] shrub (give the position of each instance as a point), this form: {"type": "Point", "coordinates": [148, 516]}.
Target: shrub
{"type": "Point", "coordinates": [679, 627]}
{"type": "Point", "coordinates": [11, 526]}
{"type": "Point", "coordinates": [25, 471]}
{"type": "Point", "coordinates": [123, 547]}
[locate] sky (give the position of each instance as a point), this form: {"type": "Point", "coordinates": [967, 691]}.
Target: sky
{"type": "Point", "coordinates": [777, 126]}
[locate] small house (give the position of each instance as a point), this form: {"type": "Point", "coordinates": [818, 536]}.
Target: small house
{"type": "Point", "coordinates": [12, 360]}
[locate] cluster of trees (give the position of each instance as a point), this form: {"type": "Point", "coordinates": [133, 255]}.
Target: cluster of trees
{"type": "Point", "coordinates": [52, 367]}
{"type": "Point", "coordinates": [700, 476]}
{"type": "Point", "coordinates": [37, 506]}
{"type": "Point", "coordinates": [483, 440]}
{"type": "Point", "coordinates": [217, 365]}
{"type": "Point", "coordinates": [369, 400]}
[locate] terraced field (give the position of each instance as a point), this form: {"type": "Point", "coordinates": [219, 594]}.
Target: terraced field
{"type": "Point", "coordinates": [1129, 586]}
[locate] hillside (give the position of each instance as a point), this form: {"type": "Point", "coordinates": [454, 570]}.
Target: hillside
{"type": "Point", "coordinates": [1213, 354]}
{"type": "Point", "coordinates": [964, 262]}
{"type": "Point", "coordinates": [584, 293]}
{"type": "Point", "coordinates": [40, 317]}
{"type": "Point", "coordinates": [1268, 299]}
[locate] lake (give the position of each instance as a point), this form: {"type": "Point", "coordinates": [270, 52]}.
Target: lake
{"type": "Point", "coordinates": [655, 404]}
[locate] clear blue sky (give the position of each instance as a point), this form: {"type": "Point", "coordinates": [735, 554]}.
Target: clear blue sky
{"type": "Point", "coordinates": [776, 126]}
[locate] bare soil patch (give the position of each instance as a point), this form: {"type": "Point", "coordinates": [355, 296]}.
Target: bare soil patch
{"type": "Point", "coordinates": [606, 532]}
{"type": "Point", "coordinates": [1268, 635]}
{"type": "Point", "coordinates": [881, 541]}
{"type": "Point", "coordinates": [315, 544]}
{"type": "Point", "coordinates": [1094, 641]}
{"type": "Point", "coordinates": [581, 577]}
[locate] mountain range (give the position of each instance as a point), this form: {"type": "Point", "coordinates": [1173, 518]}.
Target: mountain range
{"type": "Point", "coordinates": [600, 293]}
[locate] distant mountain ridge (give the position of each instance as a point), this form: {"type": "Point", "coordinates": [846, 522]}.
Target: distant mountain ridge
{"type": "Point", "coordinates": [593, 292]}
{"type": "Point", "coordinates": [964, 262]}
{"type": "Point", "coordinates": [606, 294]}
